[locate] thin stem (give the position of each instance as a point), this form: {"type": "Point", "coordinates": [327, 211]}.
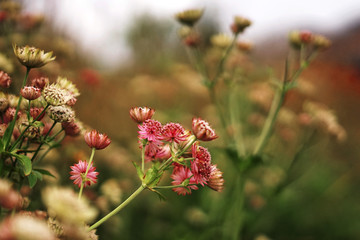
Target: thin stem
{"type": "Point", "coordinates": [143, 157]}
{"type": "Point", "coordinates": [12, 124]}
{"type": "Point", "coordinates": [86, 172]}
{"type": "Point", "coordinates": [236, 124]}
{"type": "Point", "coordinates": [42, 143]}
{"type": "Point", "coordinates": [51, 147]}
{"type": "Point", "coordinates": [173, 186]}
{"type": "Point", "coordinates": [119, 208]}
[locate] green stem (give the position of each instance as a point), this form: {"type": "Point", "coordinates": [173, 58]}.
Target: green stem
{"type": "Point", "coordinates": [86, 172]}
{"type": "Point", "coordinates": [12, 124]}
{"type": "Point", "coordinates": [51, 147]}
{"type": "Point", "coordinates": [143, 157]}
{"type": "Point", "coordinates": [236, 124]}
{"type": "Point", "coordinates": [173, 186]}
{"type": "Point", "coordinates": [119, 208]}
{"type": "Point", "coordinates": [42, 143]}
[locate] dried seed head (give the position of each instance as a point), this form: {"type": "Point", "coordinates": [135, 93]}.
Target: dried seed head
{"type": "Point", "coordinates": [189, 17]}
{"type": "Point", "coordinates": [5, 80]}
{"type": "Point", "coordinates": [55, 95]}
{"type": "Point", "coordinates": [140, 114]}
{"type": "Point", "coordinates": [61, 113]}
{"type": "Point", "coordinates": [239, 25]}
{"type": "Point", "coordinates": [32, 57]}
{"type": "Point", "coordinates": [30, 93]}
{"type": "Point", "coordinates": [64, 83]}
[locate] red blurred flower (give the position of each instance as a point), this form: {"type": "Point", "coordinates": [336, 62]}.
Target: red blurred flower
{"type": "Point", "coordinates": [78, 172]}
{"type": "Point", "coordinates": [97, 140]}
{"type": "Point", "coordinates": [202, 130]}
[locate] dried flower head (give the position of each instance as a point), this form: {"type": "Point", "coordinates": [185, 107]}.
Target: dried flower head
{"type": "Point", "coordinates": [140, 114]}
{"type": "Point", "coordinates": [30, 93]}
{"type": "Point", "coordinates": [65, 205]}
{"type": "Point", "coordinates": [61, 113]}
{"type": "Point", "coordinates": [64, 83]}
{"type": "Point", "coordinates": [221, 40]}
{"type": "Point", "coordinates": [73, 128]}
{"type": "Point", "coordinates": [239, 25]}
{"type": "Point", "coordinates": [216, 180]}
{"type": "Point", "coordinates": [189, 17]}
{"type": "Point", "coordinates": [40, 82]}
{"type": "Point", "coordinates": [32, 57]}
{"type": "Point", "coordinates": [78, 174]}
{"type": "Point", "coordinates": [35, 113]}
{"type": "Point", "coordinates": [32, 131]}
{"type": "Point", "coordinates": [97, 140]}
{"type": "Point", "coordinates": [55, 95]}
{"type": "Point", "coordinates": [202, 130]}
{"type": "Point", "coordinates": [5, 80]}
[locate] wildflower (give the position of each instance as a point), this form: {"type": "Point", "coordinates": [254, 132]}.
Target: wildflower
{"type": "Point", "coordinates": [32, 131]}
{"type": "Point", "coordinates": [78, 172]}
{"type": "Point", "coordinates": [216, 180]}
{"type": "Point", "coordinates": [32, 57]}
{"type": "Point", "coordinates": [30, 93]}
{"type": "Point", "coordinates": [239, 25]}
{"type": "Point", "coordinates": [173, 132]}
{"type": "Point", "coordinates": [321, 42]}
{"type": "Point", "coordinates": [10, 114]}
{"type": "Point", "coordinates": [55, 95]}
{"type": "Point", "coordinates": [72, 128]}
{"type": "Point", "coordinates": [61, 113]}
{"type": "Point", "coordinates": [65, 205]}
{"type": "Point", "coordinates": [189, 17]}
{"type": "Point", "coordinates": [150, 130]}
{"type": "Point", "coordinates": [97, 140]}
{"type": "Point", "coordinates": [40, 82]}
{"type": "Point", "coordinates": [25, 227]}
{"type": "Point", "coordinates": [221, 40]}
{"type": "Point", "coordinates": [297, 38]}
{"type": "Point", "coordinates": [64, 83]}
{"type": "Point", "coordinates": [179, 175]}
{"type": "Point", "coordinates": [156, 151]}
{"type": "Point", "coordinates": [201, 165]}
{"type": "Point", "coordinates": [5, 80]}
{"type": "Point", "coordinates": [140, 114]}
{"type": "Point", "coordinates": [71, 102]}
{"type": "Point", "coordinates": [202, 130]}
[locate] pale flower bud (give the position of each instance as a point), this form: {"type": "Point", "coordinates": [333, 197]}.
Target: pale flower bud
{"type": "Point", "coordinates": [32, 57]}
{"type": "Point", "coordinates": [140, 114]}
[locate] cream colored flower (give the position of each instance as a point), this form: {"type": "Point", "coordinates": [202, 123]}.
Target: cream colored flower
{"type": "Point", "coordinates": [64, 83]}
{"type": "Point", "coordinates": [32, 57]}
{"type": "Point", "coordinates": [189, 17]}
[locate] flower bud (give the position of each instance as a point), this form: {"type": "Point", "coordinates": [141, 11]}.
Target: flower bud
{"type": "Point", "coordinates": [61, 113]}
{"type": "Point", "coordinates": [216, 180]}
{"type": "Point", "coordinates": [202, 130]}
{"type": "Point", "coordinates": [221, 40]}
{"type": "Point", "coordinates": [297, 38]}
{"type": "Point", "coordinates": [30, 93]}
{"type": "Point", "coordinates": [35, 112]}
{"type": "Point", "coordinates": [321, 42]}
{"type": "Point", "coordinates": [189, 17]}
{"type": "Point", "coordinates": [140, 114]}
{"type": "Point", "coordinates": [239, 25]}
{"type": "Point", "coordinates": [5, 80]}
{"type": "Point", "coordinates": [32, 57]}
{"type": "Point", "coordinates": [97, 140]}
{"type": "Point", "coordinates": [40, 82]}
{"type": "Point", "coordinates": [72, 128]}
{"type": "Point", "coordinates": [55, 95]}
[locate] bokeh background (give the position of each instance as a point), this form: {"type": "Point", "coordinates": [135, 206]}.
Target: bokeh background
{"type": "Point", "coordinates": [122, 54]}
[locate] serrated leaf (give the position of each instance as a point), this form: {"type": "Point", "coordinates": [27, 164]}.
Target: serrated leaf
{"type": "Point", "coordinates": [139, 172]}
{"type": "Point", "coordinates": [44, 172]}
{"type": "Point", "coordinates": [25, 163]}
{"type": "Point", "coordinates": [32, 179]}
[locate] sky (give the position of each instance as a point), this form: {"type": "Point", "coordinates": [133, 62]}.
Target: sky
{"type": "Point", "coordinates": [93, 23]}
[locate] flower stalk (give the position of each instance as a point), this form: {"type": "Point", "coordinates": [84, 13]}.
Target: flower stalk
{"type": "Point", "coordinates": [87, 170]}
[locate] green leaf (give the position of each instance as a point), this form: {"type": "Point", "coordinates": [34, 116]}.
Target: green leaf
{"type": "Point", "coordinates": [139, 171]}
{"type": "Point", "coordinates": [38, 124]}
{"type": "Point", "coordinates": [44, 172]}
{"type": "Point", "coordinates": [8, 134]}
{"type": "Point", "coordinates": [37, 174]}
{"type": "Point", "coordinates": [32, 179]}
{"type": "Point", "coordinates": [25, 163]}
{"type": "Point", "coordinates": [152, 177]}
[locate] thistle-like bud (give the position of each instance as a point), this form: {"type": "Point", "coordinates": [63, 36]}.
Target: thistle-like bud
{"type": "Point", "coordinates": [40, 82]}
{"type": "Point", "coordinates": [189, 17]}
{"type": "Point", "coordinates": [5, 80]}
{"type": "Point", "coordinates": [55, 95]}
{"type": "Point", "coordinates": [64, 83]}
{"type": "Point", "coordinates": [35, 112]}
{"type": "Point", "coordinates": [202, 130]}
{"type": "Point", "coordinates": [30, 93]}
{"type": "Point", "coordinates": [239, 25]}
{"type": "Point", "coordinates": [97, 140]}
{"type": "Point", "coordinates": [321, 42]}
{"type": "Point", "coordinates": [32, 57]}
{"type": "Point", "coordinates": [31, 130]}
{"type": "Point", "coordinates": [61, 113]}
{"type": "Point", "coordinates": [10, 114]}
{"type": "Point", "coordinates": [140, 114]}
{"type": "Point", "coordinates": [216, 180]}
{"type": "Point", "coordinates": [73, 128]}
{"type": "Point", "coordinates": [221, 40]}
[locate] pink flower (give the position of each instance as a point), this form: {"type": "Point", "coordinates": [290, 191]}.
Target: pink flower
{"type": "Point", "coordinates": [97, 140]}
{"type": "Point", "coordinates": [78, 172]}
{"type": "Point", "coordinates": [202, 130]}
{"type": "Point", "coordinates": [35, 112]}
{"type": "Point", "coordinates": [140, 114]}
{"type": "Point", "coordinates": [30, 92]}
{"type": "Point", "coordinates": [173, 132]}
{"type": "Point", "coordinates": [201, 165]}
{"type": "Point", "coordinates": [150, 130]}
{"type": "Point", "coordinates": [155, 151]}
{"type": "Point", "coordinates": [179, 175]}
{"type": "Point", "coordinates": [5, 79]}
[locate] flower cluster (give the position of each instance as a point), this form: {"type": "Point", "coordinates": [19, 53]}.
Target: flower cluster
{"type": "Point", "coordinates": [171, 142]}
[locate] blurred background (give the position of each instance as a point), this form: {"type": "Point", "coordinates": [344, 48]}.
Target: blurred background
{"type": "Point", "coordinates": [122, 54]}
